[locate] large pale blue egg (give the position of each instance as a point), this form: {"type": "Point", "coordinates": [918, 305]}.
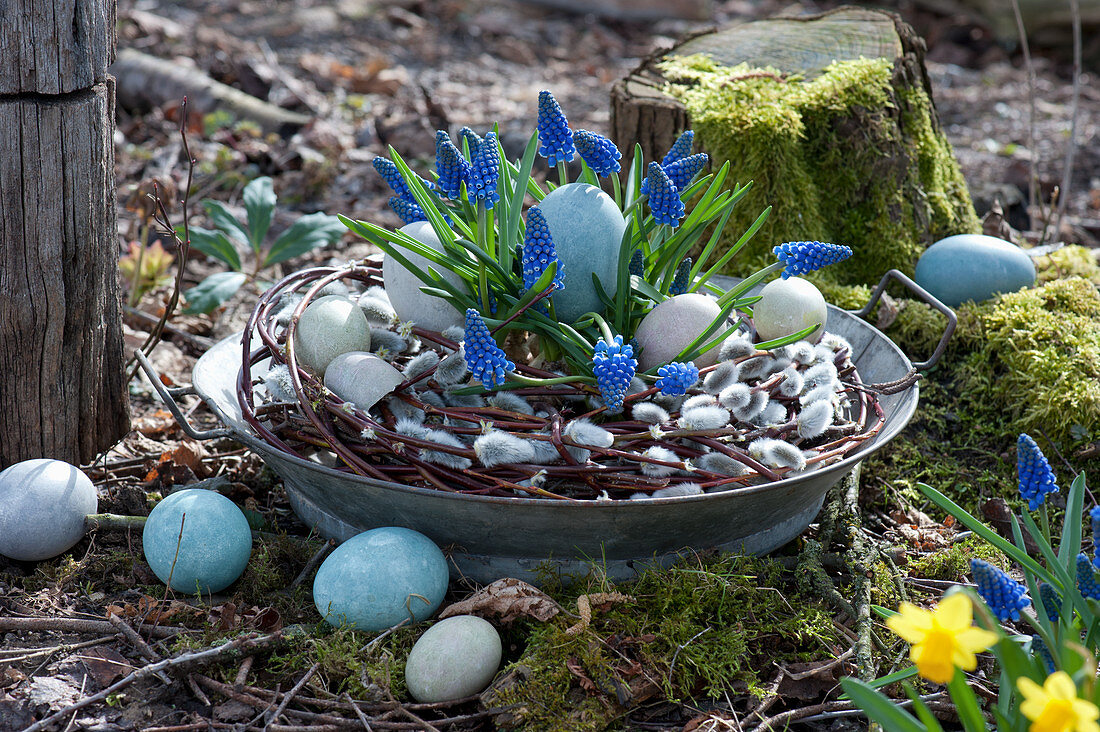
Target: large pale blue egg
{"type": "Point", "coordinates": [669, 328]}
{"type": "Point", "coordinates": [376, 579]}
{"type": "Point", "coordinates": [197, 538]}
{"type": "Point", "coordinates": [973, 267]}
{"type": "Point", "coordinates": [587, 229]}
{"type": "Point", "coordinates": [42, 508]}
{"type": "Point", "coordinates": [403, 287]}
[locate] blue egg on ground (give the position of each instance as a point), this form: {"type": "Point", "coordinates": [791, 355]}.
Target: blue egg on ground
{"type": "Point", "coordinates": [42, 508]}
{"type": "Point", "coordinates": [973, 267]}
{"type": "Point", "coordinates": [376, 579]}
{"type": "Point", "coordinates": [213, 548]}
{"type": "Point", "coordinates": [587, 229]}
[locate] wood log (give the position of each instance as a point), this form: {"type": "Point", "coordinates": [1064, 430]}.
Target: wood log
{"type": "Point", "coordinates": [146, 81]}
{"type": "Point", "coordinates": [62, 386]}
{"type": "Point", "coordinates": [831, 117]}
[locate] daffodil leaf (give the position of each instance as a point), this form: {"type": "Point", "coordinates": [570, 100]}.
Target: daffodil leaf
{"type": "Point", "coordinates": [878, 708]}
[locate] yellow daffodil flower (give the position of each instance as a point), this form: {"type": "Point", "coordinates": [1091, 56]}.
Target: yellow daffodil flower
{"type": "Point", "coordinates": [942, 639]}
{"type": "Point", "coordinates": [1054, 706]}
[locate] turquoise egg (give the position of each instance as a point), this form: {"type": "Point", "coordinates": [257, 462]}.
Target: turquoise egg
{"type": "Point", "coordinates": [973, 267]}
{"type": "Point", "coordinates": [213, 548]}
{"type": "Point", "coordinates": [374, 580]}
{"type": "Point", "coordinates": [587, 229]}
{"type": "Point", "coordinates": [42, 508]}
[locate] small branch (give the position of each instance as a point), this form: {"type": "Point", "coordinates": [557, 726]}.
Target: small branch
{"type": "Point", "coordinates": [313, 563]}
{"type": "Point", "coordinates": [206, 656]}
{"type": "Point", "coordinates": [113, 521]}
{"type": "Point", "coordinates": [80, 625]}
{"type": "Point", "coordinates": [1071, 144]}
{"type": "Point", "coordinates": [290, 694]}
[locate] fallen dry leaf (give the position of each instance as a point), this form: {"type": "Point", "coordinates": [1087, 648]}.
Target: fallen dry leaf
{"type": "Point", "coordinates": [104, 664]}
{"type": "Point", "coordinates": [506, 600]}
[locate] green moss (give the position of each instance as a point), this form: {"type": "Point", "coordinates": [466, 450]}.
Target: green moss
{"type": "Point", "coordinates": [1069, 261]}
{"type": "Point", "coordinates": [351, 661]}
{"type": "Point", "coordinates": [842, 157]}
{"type": "Point", "coordinates": [952, 563]}
{"type": "Point", "coordinates": [689, 631]}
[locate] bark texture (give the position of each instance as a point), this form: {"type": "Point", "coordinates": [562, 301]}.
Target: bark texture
{"type": "Point", "coordinates": [62, 389]}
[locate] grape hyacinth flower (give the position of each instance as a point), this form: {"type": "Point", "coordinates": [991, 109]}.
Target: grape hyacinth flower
{"type": "Point", "coordinates": [484, 172]}
{"type": "Point", "coordinates": [664, 199]}
{"type": "Point", "coordinates": [1036, 477]}
{"type": "Point", "coordinates": [614, 366]}
{"type": "Point", "coordinates": [409, 211]}
{"type": "Point", "coordinates": [389, 172]}
{"type": "Point", "coordinates": [484, 358]}
{"type": "Point", "coordinates": [538, 252]}
{"type": "Point", "coordinates": [637, 263]}
{"type": "Point", "coordinates": [1040, 649]}
{"type": "Point", "coordinates": [677, 377]}
{"type": "Point", "coordinates": [1086, 578]}
{"type": "Point", "coordinates": [598, 152]}
{"type": "Point", "coordinates": [451, 167]}
{"type": "Point", "coordinates": [473, 141]}
{"type": "Point", "coordinates": [1005, 596]}
{"type": "Point", "coordinates": [802, 257]}
{"type": "Point", "coordinates": [680, 278]}
{"type": "Point", "coordinates": [555, 137]}
{"type": "Point", "coordinates": [680, 149]}
{"type": "Point", "coordinates": [682, 171]}
{"type": "Point", "coordinates": [1052, 603]}
{"type": "Point", "coordinates": [1094, 517]}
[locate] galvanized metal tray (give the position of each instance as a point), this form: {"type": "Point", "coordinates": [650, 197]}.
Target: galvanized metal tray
{"type": "Point", "coordinates": [487, 537]}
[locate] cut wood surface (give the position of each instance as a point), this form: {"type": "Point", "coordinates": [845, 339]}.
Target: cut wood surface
{"type": "Point", "coordinates": [55, 46]}
{"type": "Point", "coordinates": [62, 391]}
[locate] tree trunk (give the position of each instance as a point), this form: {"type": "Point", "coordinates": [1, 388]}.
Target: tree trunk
{"type": "Point", "coordinates": [831, 117]}
{"type": "Point", "coordinates": [62, 387]}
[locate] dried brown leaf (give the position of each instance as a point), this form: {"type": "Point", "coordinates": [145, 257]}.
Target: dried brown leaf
{"type": "Point", "coordinates": [506, 600]}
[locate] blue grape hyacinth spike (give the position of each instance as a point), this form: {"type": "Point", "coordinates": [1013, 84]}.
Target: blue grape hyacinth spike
{"type": "Point", "coordinates": [680, 149]}
{"type": "Point", "coordinates": [677, 377]}
{"type": "Point", "coordinates": [1037, 479]}
{"type": "Point", "coordinates": [598, 152]}
{"type": "Point", "coordinates": [450, 166]}
{"type": "Point", "coordinates": [664, 199]}
{"type": "Point", "coordinates": [1004, 596]}
{"type": "Point", "coordinates": [409, 211]}
{"type": "Point", "coordinates": [683, 170]}
{"type": "Point", "coordinates": [389, 172]}
{"type": "Point", "coordinates": [555, 137]}
{"type": "Point", "coordinates": [1052, 601]}
{"type": "Point", "coordinates": [538, 251]}
{"type": "Point", "coordinates": [484, 172]}
{"type": "Point", "coordinates": [614, 366]}
{"type": "Point", "coordinates": [1086, 578]}
{"type": "Point", "coordinates": [803, 257]}
{"type": "Point", "coordinates": [680, 278]}
{"type": "Point", "coordinates": [473, 141]}
{"type": "Point", "coordinates": [484, 358]}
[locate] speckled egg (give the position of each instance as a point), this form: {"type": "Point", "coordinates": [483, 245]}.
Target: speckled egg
{"type": "Point", "coordinates": [403, 287]}
{"type": "Point", "coordinates": [973, 267]}
{"type": "Point", "coordinates": [362, 378]}
{"type": "Point", "coordinates": [329, 326]}
{"type": "Point", "coordinates": [454, 658]}
{"type": "Point", "coordinates": [587, 229]}
{"type": "Point", "coordinates": [787, 306]}
{"type": "Point", "coordinates": [42, 508]}
{"type": "Point", "coordinates": [671, 326]}
{"type": "Point", "coordinates": [213, 548]}
{"type": "Point", "coordinates": [374, 580]}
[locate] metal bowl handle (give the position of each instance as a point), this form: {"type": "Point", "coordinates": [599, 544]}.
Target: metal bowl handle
{"type": "Point", "coordinates": [168, 396]}
{"type": "Point", "coordinates": [924, 295]}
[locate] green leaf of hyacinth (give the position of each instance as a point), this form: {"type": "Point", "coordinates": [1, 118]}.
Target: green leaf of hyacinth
{"type": "Point", "coordinates": [259, 205]}
{"type": "Point", "coordinates": [423, 199]}
{"type": "Point", "coordinates": [214, 244]}
{"type": "Point", "coordinates": [307, 233]}
{"type": "Point", "coordinates": [688, 353]}
{"type": "Point", "coordinates": [1071, 531]}
{"type": "Point", "coordinates": [540, 285]}
{"type": "Point", "coordinates": [379, 235]}
{"type": "Point", "coordinates": [741, 242]}
{"type": "Point", "coordinates": [513, 229]}
{"type": "Point", "coordinates": [224, 219]}
{"type": "Point", "coordinates": [213, 291]}
{"type": "Point", "coordinates": [878, 708]}
{"type": "Point", "coordinates": [640, 285]}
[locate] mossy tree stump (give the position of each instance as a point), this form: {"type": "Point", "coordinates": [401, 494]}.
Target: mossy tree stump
{"type": "Point", "coordinates": [830, 116]}
{"type": "Point", "coordinates": [62, 388]}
